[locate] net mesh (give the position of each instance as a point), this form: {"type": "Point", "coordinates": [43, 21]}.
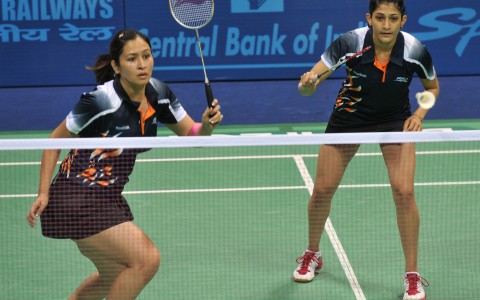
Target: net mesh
{"type": "Point", "coordinates": [229, 216]}
{"type": "Point", "coordinates": [193, 14]}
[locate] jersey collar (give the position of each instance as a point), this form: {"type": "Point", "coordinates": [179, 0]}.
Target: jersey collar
{"type": "Point", "coordinates": [150, 92]}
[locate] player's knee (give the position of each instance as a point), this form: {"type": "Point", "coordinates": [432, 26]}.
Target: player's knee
{"type": "Point", "coordinates": [404, 198]}
{"type": "Point", "coordinates": [155, 259]}
{"type": "Point", "coordinates": [402, 192]}
{"type": "Point", "coordinates": [151, 263]}
{"type": "Point", "coordinates": [322, 194]}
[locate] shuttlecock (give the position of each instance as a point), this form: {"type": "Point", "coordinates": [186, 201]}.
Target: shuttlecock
{"type": "Point", "coordinates": [426, 99]}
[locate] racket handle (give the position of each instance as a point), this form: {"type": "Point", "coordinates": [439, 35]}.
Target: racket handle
{"type": "Point", "coordinates": [209, 94]}
{"type": "Point", "coordinates": [319, 76]}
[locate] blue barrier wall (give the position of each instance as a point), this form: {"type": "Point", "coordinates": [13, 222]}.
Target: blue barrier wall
{"type": "Point", "coordinates": [244, 102]}
{"type": "Point", "coordinates": [254, 51]}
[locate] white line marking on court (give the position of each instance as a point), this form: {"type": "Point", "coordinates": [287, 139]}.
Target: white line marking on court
{"type": "Point", "coordinates": [149, 160]}
{"type": "Point", "coordinates": [272, 188]}
{"type": "Point", "coordinates": [145, 192]}
{"type": "Point", "coordinates": [332, 234]}
{"type": "Point", "coordinates": [263, 188]}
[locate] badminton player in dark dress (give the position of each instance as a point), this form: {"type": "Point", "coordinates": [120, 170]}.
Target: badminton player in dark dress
{"type": "Point", "coordinates": [373, 98]}
{"type": "Point", "coordinates": [84, 201]}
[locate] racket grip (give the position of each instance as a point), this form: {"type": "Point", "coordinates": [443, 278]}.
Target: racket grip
{"type": "Point", "coordinates": [318, 76]}
{"type": "Point", "coordinates": [209, 94]}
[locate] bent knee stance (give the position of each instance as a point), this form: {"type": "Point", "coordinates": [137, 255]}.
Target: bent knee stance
{"type": "Point", "coordinates": [149, 264]}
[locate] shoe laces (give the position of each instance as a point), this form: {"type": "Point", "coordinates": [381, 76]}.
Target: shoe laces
{"type": "Point", "coordinates": [305, 260]}
{"type": "Point", "coordinates": [413, 279]}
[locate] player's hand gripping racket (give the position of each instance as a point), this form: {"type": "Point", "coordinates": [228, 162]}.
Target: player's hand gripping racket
{"type": "Point", "coordinates": [342, 61]}
{"type": "Point", "coordinates": [194, 14]}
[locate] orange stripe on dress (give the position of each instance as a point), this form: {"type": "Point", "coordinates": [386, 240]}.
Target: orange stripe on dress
{"type": "Point", "coordinates": [381, 67]}
{"type": "Point", "coordinates": [150, 112]}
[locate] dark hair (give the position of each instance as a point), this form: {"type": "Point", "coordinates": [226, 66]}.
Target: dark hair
{"type": "Point", "coordinates": [400, 5]}
{"type": "Point", "coordinates": [103, 68]}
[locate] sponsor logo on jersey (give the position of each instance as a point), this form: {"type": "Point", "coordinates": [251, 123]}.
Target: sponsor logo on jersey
{"type": "Point", "coordinates": [401, 79]}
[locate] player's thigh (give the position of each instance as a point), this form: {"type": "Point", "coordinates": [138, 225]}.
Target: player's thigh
{"type": "Point", "coordinates": [332, 162]}
{"type": "Point", "coordinates": [400, 161]}
{"type": "Point", "coordinates": [124, 244]}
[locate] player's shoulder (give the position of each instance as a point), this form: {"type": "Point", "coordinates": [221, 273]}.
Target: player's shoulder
{"type": "Point", "coordinates": [415, 53]}
{"type": "Point", "coordinates": [103, 90]}
{"type": "Point", "coordinates": [103, 96]}
{"type": "Point", "coordinates": [359, 32]}
{"type": "Point", "coordinates": [355, 37]}
{"type": "Point", "coordinates": [413, 46]}
{"type": "Point", "coordinates": [158, 85]}
{"type": "Point", "coordinates": [356, 34]}
{"type": "Point", "coordinates": [410, 38]}
{"type": "Point", "coordinates": [161, 90]}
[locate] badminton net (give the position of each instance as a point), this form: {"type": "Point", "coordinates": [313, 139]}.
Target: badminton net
{"type": "Point", "coordinates": [229, 216]}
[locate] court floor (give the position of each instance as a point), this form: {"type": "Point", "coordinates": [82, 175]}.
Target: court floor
{"type": "Point", "coordinates": [231, 221]}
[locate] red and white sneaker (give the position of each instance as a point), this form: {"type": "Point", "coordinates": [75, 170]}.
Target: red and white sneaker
{"type": "Point", "coordinates": [308, 265]}
{"type": "Point", "coordinates": [414, 284]}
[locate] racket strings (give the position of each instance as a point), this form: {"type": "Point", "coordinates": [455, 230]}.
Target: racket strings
{"type": "Point", "coordinates": [192, 14]}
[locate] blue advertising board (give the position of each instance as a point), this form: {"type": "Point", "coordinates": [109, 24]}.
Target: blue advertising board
{"type": "Point", "coordinates": [45, 43]}
{"type": "Point", "coordinates": [49, 42]}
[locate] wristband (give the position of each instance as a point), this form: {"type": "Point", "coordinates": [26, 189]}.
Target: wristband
{"type": "Point", "coordinates": [195, 130]}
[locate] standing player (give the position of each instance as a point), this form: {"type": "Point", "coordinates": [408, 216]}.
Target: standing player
{"type": "Point", "coordinates": [373, 98]}
{"type": "Point", "coordinates": [84, 202]}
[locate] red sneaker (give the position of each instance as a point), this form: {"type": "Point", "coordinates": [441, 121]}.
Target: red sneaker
{"type": "Point", "coordinates": [414, 284]}
{"type": "Point", "coordinates": [308, 265]}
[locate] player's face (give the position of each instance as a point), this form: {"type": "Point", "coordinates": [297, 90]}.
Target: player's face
{"type": "Point", "coordinates": [136, 63]}
{"type": "Point", "coordinates": [386, 23]}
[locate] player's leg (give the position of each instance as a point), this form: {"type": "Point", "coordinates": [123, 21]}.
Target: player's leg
{"type": "Point", "coordinates": [331, 164]}
{"type": "Point", "coordinates": [96, 286]}
{"type": "Point", "coordinates": [126, 260]}
{"type": "Point", "coordinates": [400, 161]}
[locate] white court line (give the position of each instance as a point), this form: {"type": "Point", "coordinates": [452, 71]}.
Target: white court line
{"type": "Point", "coordinates": [332, 234]}
{"type": "Point", "coordinates": [263, 188]}
{"type": "Point", "coordinates": [149, 160]}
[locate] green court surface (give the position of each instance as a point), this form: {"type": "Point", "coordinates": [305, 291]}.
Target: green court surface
{"type": "Point", "coordinates": [231, 221]}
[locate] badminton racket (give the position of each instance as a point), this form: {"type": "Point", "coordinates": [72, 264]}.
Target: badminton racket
{"type": "Point", "coordinates": [195, 14]}
{"type": "Point", "coordinates": [342, 61]}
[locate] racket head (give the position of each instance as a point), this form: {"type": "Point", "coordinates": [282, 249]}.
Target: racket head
{"type": "Point", "coordinates": [192, 14]}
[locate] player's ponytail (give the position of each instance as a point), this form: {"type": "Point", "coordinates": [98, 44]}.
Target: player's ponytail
{"type": "Point", "coordinates": [103, 69]}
